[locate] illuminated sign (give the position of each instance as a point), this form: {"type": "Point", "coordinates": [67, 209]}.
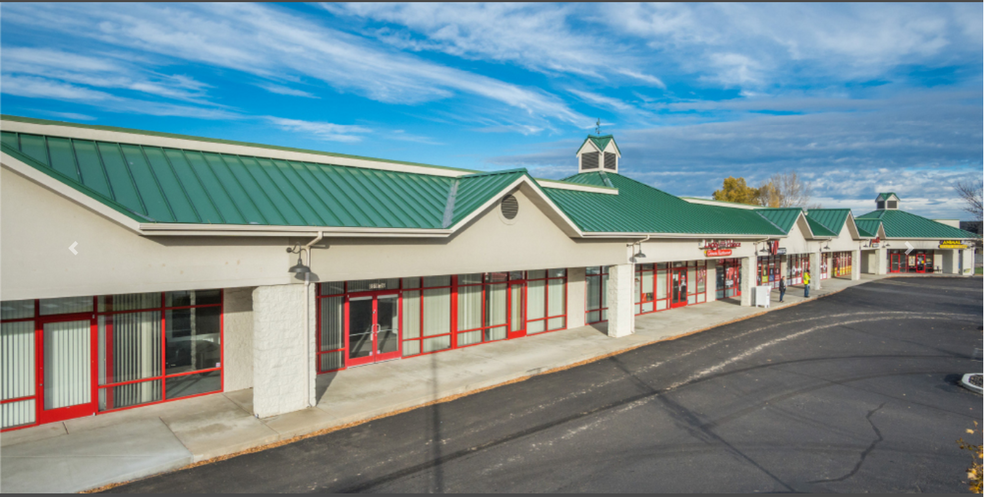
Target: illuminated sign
{"type": "Point", "coordinates": [717, 253]}
{"type": "Point", "coordinates": [719, 244]}
{"type": "Point", "coordinates": [952, 244]}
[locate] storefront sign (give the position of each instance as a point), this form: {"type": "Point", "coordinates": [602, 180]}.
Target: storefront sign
{"type": "Point", "coordinates": [719, 244]}
{"type": "Point", "coordinates": [781, 251]}
{"type": "Point", "coordinates": [952, 244]}
{"type": "Point", "coordinates": [717, 253]}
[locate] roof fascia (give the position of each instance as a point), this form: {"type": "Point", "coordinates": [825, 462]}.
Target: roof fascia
{"type": "Point", "coordinates": [853, 228]}
{"type": "Point", "coordinates": [225, 148]}
{"type": "Point", "coordinates": [68, 192]}
{"type": "Point", "coordinates": [805, 226]}
{"type": "Point", "coordinates": [541, 199]}
{"type": "Point", "coordinates": [594, 148]}
{"type": "Point", "coordinates": [558, 185]}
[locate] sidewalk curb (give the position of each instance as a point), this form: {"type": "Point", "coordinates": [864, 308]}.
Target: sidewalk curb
{"type": "Point", "coordinates": [449, 398]}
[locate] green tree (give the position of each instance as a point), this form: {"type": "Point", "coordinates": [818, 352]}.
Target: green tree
{"type": "Point", "coordinates": [736, 190]}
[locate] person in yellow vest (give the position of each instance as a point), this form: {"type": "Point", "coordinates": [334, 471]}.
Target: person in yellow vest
{"type": "Point", "coordinates": [806, 284]}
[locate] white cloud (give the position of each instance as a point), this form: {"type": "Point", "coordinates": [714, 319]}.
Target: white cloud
{"type": "Point", "coordinates": [601, 100]}
{"type": "Point", "coordinates": [546, 38]}
{"type": "Point", "coordinates": [286, 90]}
{"type": "Point", "coordinates": [321, 130]}
{"type": "Point", "coordinates": [268, 42]}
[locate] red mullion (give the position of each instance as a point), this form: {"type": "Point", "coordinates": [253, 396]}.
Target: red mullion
{"type": "Point", "coordinates": [5, 321]}
{"type": "Point", "coordinates": [163, 349]}
{"type": "Point", "coordinates": [317, 329]}
{"type": "Point", "coordinates": [163, 400]}
{"type": "Point", "coordinates": [483, 316]}
{"type": "Point", "coordinates": [189, 373]}
{"type": "Point", "coordinates": [110, 349]}
{"type": "Point", "coordinates": [454, 312]}
{"type": "Point", "coordinates": [130, 382]}
{"type": "Point", "coordinates": [345, 328]}
{"type": "Point", "coordinates": [18, 399]}
{"type": "Point", "coordinates": [221, 367]}
{"type": "Point", "coordinates": [38, 362]}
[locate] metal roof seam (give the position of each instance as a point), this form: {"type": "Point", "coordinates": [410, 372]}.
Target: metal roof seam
{"type": "Point", "coordinates": [294, 198]}
{"type": "Point", "coordinates": [181, 186]}
{"type": "Point", "coordinates": [417, 199]}
{"type": "Point", "coordinates": [258, 192]}
{"type": "Point", "coordinates": [361, 179]}
{"type": "Point", "coordinates": [157, 182]}
{"type": "Point", "coordinates": [225, 175]}
{"type": "Point", "coordinates": [102, 165]}
{"type": "Point", "coordinates": [449, 205]}
{"type": "Point", "coordinates": [331, 195]}
{"type": "Point", "coordinates": [406, 217]}
{"type": "Point", "coordinates": [274, 188]}
{"type": "Point", "coordinates": [203, 168]}
{"type": "Point", "coordinates": [289, 170]}
{"type": "Point", "coordinates": [198, 180]}
{"type": "Point", "coordinates": [129, 172]}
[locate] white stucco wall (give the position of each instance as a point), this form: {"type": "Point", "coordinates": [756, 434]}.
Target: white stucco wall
{"type": "Point", "coordinates": [576, 288]}
{"type": "Point", "coordinates": [283, 350]}
{"type": "Point", "coordinates": [237, 322]}
{"type": "Point", "coordinates": [621, 306]}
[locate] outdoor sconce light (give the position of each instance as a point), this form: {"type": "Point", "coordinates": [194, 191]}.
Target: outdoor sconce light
{"type": "Point", "coordinates": [298, 268]}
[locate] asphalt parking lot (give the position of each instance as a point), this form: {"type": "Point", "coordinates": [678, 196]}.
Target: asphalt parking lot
{"type": "Point", "coordinates": [856, 392]}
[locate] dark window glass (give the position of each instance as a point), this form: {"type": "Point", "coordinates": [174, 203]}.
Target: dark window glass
{"type": "Point", "coordinates": [193, 339]}
{"type": "Point", "coordinates": [193, 297]}
{"type": "Point", "coordinates": [193, 384]}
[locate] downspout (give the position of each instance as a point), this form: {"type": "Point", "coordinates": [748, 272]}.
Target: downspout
{"type": "Point", "coordinates": [307, 312]}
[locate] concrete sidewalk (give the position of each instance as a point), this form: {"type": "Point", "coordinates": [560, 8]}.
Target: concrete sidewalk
{"type": "Point", "coordinates": [87, 453]}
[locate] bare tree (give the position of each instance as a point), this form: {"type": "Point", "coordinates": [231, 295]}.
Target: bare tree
{"type": "Point", "coordinates": [970, 192]}
{"type": "Point", "coordinates": [784, 190]}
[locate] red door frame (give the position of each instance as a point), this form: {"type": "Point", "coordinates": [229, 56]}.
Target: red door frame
{"type": "Point", "coordinates": [510, 333]}
{"type": "Point", "coordinates": [683, 278]}
{"type": "Point", "coordinates": [43, 415]}
{"type": "Point", "coordinates": [375, 356]}
{"type": "Point", "coordinates": [897, 259]}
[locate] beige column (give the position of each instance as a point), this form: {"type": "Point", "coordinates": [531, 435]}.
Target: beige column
{"type": "Point", "coordinates": [711, 284]}
{"type": "Point", "coordinates": [237, 338]}
{"type": "Point", "coordinates": [747, 277]}
{"type": "Point", "coordinates": [968, 261]}
{"type": "Point", "coordinates": [576, 288]}
{"type": "Point", "coordinates": [856, 265]}
{"type": "Point", "coordinates": [621, 308]}
{"type": "Point", "coordinates": [283, 349]}
{"type": "Point", "coordinates": [881, 261]}
{"type": "Point", "coordinates": [815, 258]}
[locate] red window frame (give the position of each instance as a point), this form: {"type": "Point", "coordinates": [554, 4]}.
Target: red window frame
{"type": "Point", "coordinates": [667, 268]}
{"type": "Point", "coordinates": [602, 276]}
{"type": "Point", "coordinates": [769, 270]}
{"type": "Point", "coordinates": [547, 279]}
{"type": "Point", "coordinates": [93, 317]}
{"type": "Point", "coordinates": [731, 270]}
{"type": "Point", "coordinates": [513, 278]}
{"type": "Point", "coordinates": [487, 280]}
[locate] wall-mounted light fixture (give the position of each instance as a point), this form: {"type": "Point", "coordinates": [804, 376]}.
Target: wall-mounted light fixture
{"type": "Point", "coordinates": [298, 268]}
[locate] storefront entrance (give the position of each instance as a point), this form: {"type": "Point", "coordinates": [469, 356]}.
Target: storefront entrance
{"type": "Point", "coordinates": [678, 294]}
{"type": "Point", "coordinates": [373, 328]}
{"type": "Point", "coordinates": [917, 261]}
{"type": "Point", "coordinates": [65, 369]}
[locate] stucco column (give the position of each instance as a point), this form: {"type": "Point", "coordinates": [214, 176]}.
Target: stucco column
{"type": "Point", "coordinates": [237, 338]}
{"type": "Point", "coordinates": [968, 261]}
{"type": "Point", "coordinates": [283, 349]}
{"type": "Point", "coordinates": [621, 309]}
{"type": "Point", "coordinates": [951, 261]}
{"type": "Point", "coordinates": [881, 261]}
{"type": "Point", "coordinates": [711, 283]}
{"type": "Point", "coordinates": [747, 277]}
{"type": "Point", "coordinates": [576, 287]}
{"type": "Point", "coordinates": [856, 265]}
{"type": "Point", "coordinates": [815, 270]}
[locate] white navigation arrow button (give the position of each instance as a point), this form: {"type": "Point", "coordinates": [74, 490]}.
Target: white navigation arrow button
{"type": "Point", "coordinates": [907, 244]}
{"type": "Point", "coordinates": [72, 248]}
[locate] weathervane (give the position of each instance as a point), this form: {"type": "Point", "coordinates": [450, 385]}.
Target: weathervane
{"type": "Point", "coordinates": [598, 127]}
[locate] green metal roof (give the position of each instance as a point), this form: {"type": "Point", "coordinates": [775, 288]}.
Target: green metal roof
{"type": "Point", "coordinates": [886, 195]}
{"type": "Point", "coordinates": [832, 219]}
{"type": "Point", "coordinates": [155, 184]}
{"type": "Point", "coordinates": [47, 122]}
{"type": "Point", "coordinates": [819, 229]}
{"type": "Point", "coordinates": [782, 217]}
{"type": "Point", "coordinates": [901, 224]}
{"type": "Point", "coordinates": [601, 142]}
{"type": "Point", "coordinates": [868, 228]}
{"type": "Point", "coordinates": [639, 208]}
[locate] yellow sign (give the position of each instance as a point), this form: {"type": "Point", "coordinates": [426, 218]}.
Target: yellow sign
{"type": "Point", "coordinates": [952, 244]}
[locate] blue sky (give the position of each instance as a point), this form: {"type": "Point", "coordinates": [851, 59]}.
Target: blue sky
{"type": "Point", "coordinates": [858, 98]}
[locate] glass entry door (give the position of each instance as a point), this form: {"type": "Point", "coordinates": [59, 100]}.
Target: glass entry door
{"type": "Point", "coordinates": [65, 376]}
{"type": "Point", "coordinates": [678, 283]}
{"type": "Point", "coordinates": [373, 330]}
{"type": "Point", "coordinates": [517, 306]}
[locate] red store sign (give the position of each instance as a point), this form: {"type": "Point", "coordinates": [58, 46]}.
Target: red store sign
{"type": "Point", "coordinates": [717, 253]}
{"type": "Point", "coordinates": [720, 244]}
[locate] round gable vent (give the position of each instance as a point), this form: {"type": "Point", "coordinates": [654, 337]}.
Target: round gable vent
{"type": "Point", "coordinates": [509, 207]}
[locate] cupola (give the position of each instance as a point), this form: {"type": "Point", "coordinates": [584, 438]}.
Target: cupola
{"type": "Point", "coordinates": [887, 201]}
{"type": "Point", "coordinates": [598, 153]}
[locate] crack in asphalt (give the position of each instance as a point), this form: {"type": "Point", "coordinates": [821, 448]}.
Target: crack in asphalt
{"type": "Point", "coordinates": [864, 454]}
